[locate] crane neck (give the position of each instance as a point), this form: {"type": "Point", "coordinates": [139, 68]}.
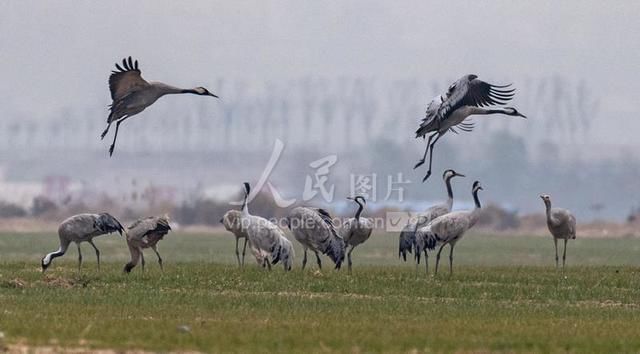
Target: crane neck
{"type": "Point", "coordinates": [360, 208]}
{"type": "Point", "coordinates": [165, 89]}
{"type": "Point", "coordinates": [449, 193]}
{"type": "Point", "coordinates": [476, 199]}
{"type": "Point", "coordinates": [50, 256]}
{"type": "Point", "coordinates": [485, 111]}
{"type": "Point", "coordinates": [245, 207]}
{"type": "Point", "coordinates": [548, 209]}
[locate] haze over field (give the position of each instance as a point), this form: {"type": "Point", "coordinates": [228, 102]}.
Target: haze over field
{"type": "Point", "coordinates": [346, 77]}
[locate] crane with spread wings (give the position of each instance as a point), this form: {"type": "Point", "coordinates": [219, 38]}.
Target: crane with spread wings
{"type": "Point", "coordinates": [131, 94]}
{"type": "Point", "coordinates": [466, 97]}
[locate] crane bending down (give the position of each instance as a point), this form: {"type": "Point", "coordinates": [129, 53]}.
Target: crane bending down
{"type": "Point", "coordinates": [266, 239]}
{"type": "Point", "coordinates": [448, 229]}
{"type": "Point", "coordinates": [145, 233]}
{"type": "Point", "coordinates": [464, 98]}
{"type": "Point", "coordinates": [131, 94]}
{"type": "Point", "coordinates": [80, 228]}
{"type": "Point", "coordinates": [561, 224]}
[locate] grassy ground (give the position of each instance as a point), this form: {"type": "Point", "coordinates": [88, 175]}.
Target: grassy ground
{"type": "Point", "coordinates": [503, 296]}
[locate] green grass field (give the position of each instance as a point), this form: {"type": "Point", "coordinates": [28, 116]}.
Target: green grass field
{"type": "Point", "coordinates": [504, 296]}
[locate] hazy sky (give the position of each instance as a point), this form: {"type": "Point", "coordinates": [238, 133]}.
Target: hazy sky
{"type": "Point", "coordinates": [58, 53]}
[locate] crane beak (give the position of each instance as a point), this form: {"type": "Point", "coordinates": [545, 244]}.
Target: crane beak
{"type": "Point", "coordinates": [459, 174]}
{"type": "Point", "coordinates": [212, 95]}
{"type": "Point", "coordinates": [349, 198]}
{"type": "Point", "coordinates": [521, 115]}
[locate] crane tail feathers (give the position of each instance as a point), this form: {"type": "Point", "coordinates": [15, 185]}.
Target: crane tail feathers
{"type": "Point", "coordinates": [406, 244]}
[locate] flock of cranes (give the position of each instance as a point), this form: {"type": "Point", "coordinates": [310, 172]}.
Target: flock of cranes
{"type": "Point", "coordinates": [314, 228]}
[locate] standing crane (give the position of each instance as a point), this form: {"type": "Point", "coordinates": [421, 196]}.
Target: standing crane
{"type": "Point", "coordinates": [561, 224]}
{"type": "Point", "coordinates": [314, 229]}
{"type": "Point", "coordinates": [464, 98]}
{"type": "Point", "coordinates": [408, 233]}
{"type": "Point", "coordinates": [356, 230]}
{"type": "Point", "coordinates": [131, 94]}
{"type": "Point", "coordinates": [232, 222]}
{"type": "Point", "coordinates": [448, 229]}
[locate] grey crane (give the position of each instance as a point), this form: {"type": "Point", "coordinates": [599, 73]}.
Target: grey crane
{"type": "Point", "coordinates": [464, 98]}
{"type": "Point", "coordinates": [131, 94]}
{"type": "Point", "coordinates": [231, 222]}
{"type": "Point", "coordinates": [408, 234]}
{"type": "Point", "coordinates": [145, 233]}
{"type": "Point", "coordinates": [82, 228]}
{"type": "Point", "coordinates": [266, 239]}
{"type": "Point", "coordinates": [356, 230]}
{"type": "Point", "coordinates": [561, 224]}
{"type": "Point", "coordinates": [448, 229]}
{"type": "Point", "coordinates": [314, 229]}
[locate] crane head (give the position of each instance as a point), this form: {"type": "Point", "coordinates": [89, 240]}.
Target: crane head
{"type": "Point", "coordinates": [203, 92]}
{"type": "Point", "coordinates": [358, 198]}
{"type": "Point", "coordinates": [46, 262]}
{"type": "Point", "coordinates": [450, 174]}
{"type": "Point", "coordinates": [513, 112]}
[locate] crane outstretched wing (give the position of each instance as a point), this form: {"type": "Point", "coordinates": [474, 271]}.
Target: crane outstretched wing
{"type": "Point", "coordinates": [470, 91]}
{"type": "Point", "coordinates": [125, 79]}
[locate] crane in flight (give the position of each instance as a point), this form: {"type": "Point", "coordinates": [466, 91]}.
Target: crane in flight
{"type": "Point", "coordinates": [131, 94]}
{"type": "Point", "coordinates": [466, 97]}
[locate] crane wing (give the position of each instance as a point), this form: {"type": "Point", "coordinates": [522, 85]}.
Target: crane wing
{"type": "Point", "coordinates": [142, 227]}
{"type": "Point", "coordinates": [126, 79]}
{"type": "Point", "coordinates": [467, 91]}
{"type": "Point", "coordinates": [428, 122]}
{"type": "Point", "coordinates": [470, 91]}
{"type": "Point", "coordinates": [328, 220]}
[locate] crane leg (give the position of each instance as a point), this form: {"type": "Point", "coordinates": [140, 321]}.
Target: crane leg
{"type": "Point", "coordinates": [318, 260]}
{"type": "Point", "coordinates": [106, 130]}
{"type": "Point", "coordinates": [426, 262]}
{"type": "Point", "coordinates": [430, 156]}
{"type": "Point", "coordinates": [244, 250]}
{"type": "Point", "coordinates": [564, 253]}
{"type": "Point", "coordinates": [115, 136]}
{"type": "Point", "coordinates": [555, 243]}
{"type": "Point", "coordinates": [304, 259]}
{"type": "Point", "coordinates": [451, 259]}
{"type": "Point", "coordinates": [142, 259]}
{"type": "Point", "coordinates": [417, 255]}
{"type": "Point", "coordinates": [438, 257]}
{"type": "Point", "coordinates": [349, 257]}
{"type": "Point", "coordinates": [155, 249]}
{"type": "Point", "coordinates": [97, 252]}
{"type": "Point", "coordinates": [237, 253]}
{"type": "Point", "coordinates": [426, 150]}
{"type": "Point", "coordinates": [79, 257]}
